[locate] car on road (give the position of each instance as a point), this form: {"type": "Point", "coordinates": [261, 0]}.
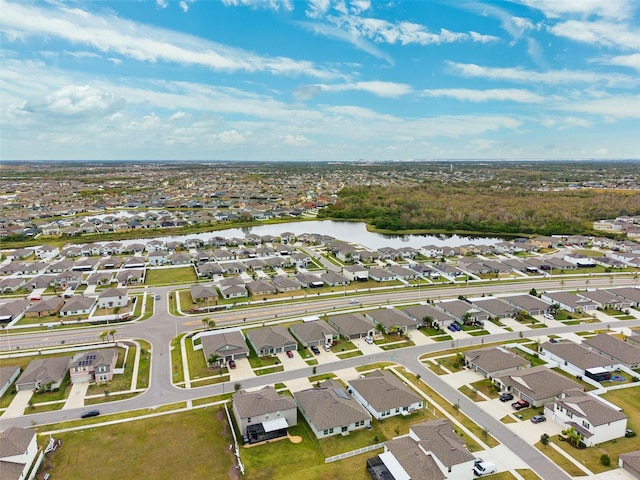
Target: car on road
{"type": "Point", "coordinates": [520, 404]}
{"type": "Point", "coordinates": [90, 413]}
{"type": "Point", "coordinates": [315, 350]}
{"type": "Point", "coordinates": [505, 397]}
{"type": "Point", "coordinates": [538, 419]}
{"type": "Point", "coordinates": [289, 354]}
{"type": "Point", "coordinates": [353, 301]}
{"type": "Point", "coordinates": [157, 296]}
{"type": "Point", "coordinates": [232, 364]}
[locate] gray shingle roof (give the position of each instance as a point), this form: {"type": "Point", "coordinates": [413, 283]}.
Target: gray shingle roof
{"type": "Point", "coordinates": [494, 359]}
{"type": "Point", "coordinates": [227, 343]}
{"type": "Point", "coordinates": [15, 440]}
{"type": "Point", "coordinates": [261, 402]}
{"type": "Point", "coordinates": [577, 354]}
{"type": "Point", "coordinates": [614, 347]}
{"type": "Point", "coordinates": [276, 336]}
{"type": "Point", "coordinates": [44, 370]}
{"type": "Point", "coordinates": [327, 409]}
{"type": "Point", "coordinates": [390, 317]}
{"type": "Point", "coordinates": [384, 391]}
{"type": "Point", "coordinates": [312, 331]}
{"type": "Point", "coordinates": [587, 406]}
{"type": "Point", "coordinates": [439, 437]}
{"type": "Point", "coordinates": [421, 311]}
{"type": "Point", "coordinates": [413, 459]}
{"type": "Point", "coordinates": [539, 382]}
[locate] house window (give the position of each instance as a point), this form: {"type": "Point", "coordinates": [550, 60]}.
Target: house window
{"type": "Point", "coordinates": [569, 414]}
{"type": "Point", "coordinates": [585, 424]}
{"type": "Point", "coordinates": [249, 420]}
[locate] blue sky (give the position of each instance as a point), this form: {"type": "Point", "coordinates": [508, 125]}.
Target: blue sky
{"type": "Point", "coordinates": [319, 80]}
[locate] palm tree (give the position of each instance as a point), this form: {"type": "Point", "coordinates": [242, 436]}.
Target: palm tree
{"type": "Point", "coordinates": [466, 318]}
{"type": "Point", "coordinates": [213, 359]}
{"type": "Point", "coordinates": [379, 328]}
{"type": "Point", "coordinates": [112, 333]}
{"type": "Point", "coordinates": [428, 320]}
{"type": "Point", "coordinates": [211, 324]}
{"type": "Point", "coordinates": [205, 322]}
{"type": "Point", "coordinates": [104, 336]}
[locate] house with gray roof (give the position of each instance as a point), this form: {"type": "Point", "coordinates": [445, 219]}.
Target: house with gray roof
{"type": "Point", "coordinates": [537, 385]}
{"type": "Point", "coordinates": [7, 376]}
{"type": "Point", "coordinates": [334, 279]}
{"type": "Point", "coordinates": [606, 300]}
{"type": "Point", "coordinates": [617, 350]}
{"type": "Point", "coordinates": [46, 307]}
{"type": "Point", "coordinates": [100, 278]}
{"type": "Point", "coordinates": [314, 333]}
{"type": "Point", "coordinates": [77, 305]}
{"type": "Point", "coordinates": [330, 410]}
{"type": "Point", "coordinates": [631, 294]}
{"type": "Point", "coordinates": [46, 373]}
{"type": "Point", "coordinates": [261, 287]}
{"type": "Point", "coordinates": [384, 395]}
{"type": "Point", "coordinates": [286, 284]}
{"type": "Point", "coordinates": [14, 310]}
{"type": "Point", "coordinates": [530, 304]}
{"type": "Point", "coordinates": [95, 366]}
{"type": "Point", "coordinates": [234, 291]}
{"type": "Point", "coordinates": [574, 357]}
{"type": "Point", "coordinates": [113, 297]}
{"type": "Point", "coordinates": [630, 462]}
{"type": "Point", "coordinates": [403, 272]}
{"type": "Point", "coordinates": [351, 325]}
{"type": "Point", "coordinates": [461, 310]}
{"type": "Point", "coordinates": [391, 319]}
{"type": "Point", "coordinates": [263, 414]}
{"type": "Point", "coordinates": [595, 420]}
{"type": "Point", "coordinates": [271, 340]}
{"type": "Point", "coordinates": [495, 307]}
{"type": "Point", "coordinates": [419, 312]}
{"type": "Point", "coordinates": [432, 450]}
{"type": "Point", "coordinates": [356, 272]}
{"type": "Point", "coordinates": [381, 274]}
{"type": "Point", "coordinates": [203, 293]}
{"type": "Point", "coordinates": [12, 284]}
{"type": "Point", "coordinates": [227, 344]}
{"type": "Point", "coordinates": [494, 361]}
{"type": "Point", "coordinates": [570, 301]}
{"type": "Point", "coordinates": [18, 451]}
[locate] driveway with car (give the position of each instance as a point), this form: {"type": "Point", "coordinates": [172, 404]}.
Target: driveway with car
{"type": "Point", "coordinates": [294, 363]}
{"type": "Point", "coordinates": [243, 370]}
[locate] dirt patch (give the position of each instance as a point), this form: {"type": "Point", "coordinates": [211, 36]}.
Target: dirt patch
{"type": "Point", "coordinates": [295, 438]}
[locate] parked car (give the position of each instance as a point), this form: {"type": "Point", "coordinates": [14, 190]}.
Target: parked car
{"type": "Point", "coordinates": [90, 413]}
{"type": "Point", "coordinates": [629, 433]}
{"type": "Point", "coordinates": [289, 354]}
{"type": "Point", "coordinates": [456, 327]}
{"type": "Point", "coordinates": [369, 340]}
{"type": "Point", "coordinates": [520, 404]}
{"type": "Point", "coordinates": [315, 350]}
{"type": "Point", "coordinates": [553, 340]}
{"type": "Point", "coordinates": [505, 397]}
{"type": "Point", "coordinates": [451, 327]}
{"type": "Point", "coordinates": [232, 364]}
{"type": "Point", "coordinates": [327, 348]}
{"type": "Point", "coordinates": [538, 419]}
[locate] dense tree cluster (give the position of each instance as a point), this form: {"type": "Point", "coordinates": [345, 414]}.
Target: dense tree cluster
{"type": "Point", "coordinates": [480, 208]}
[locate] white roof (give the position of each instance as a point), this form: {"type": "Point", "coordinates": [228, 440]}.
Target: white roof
{"type": "Point", "coordinates": [394, 466]}
{"type": "Point", "coordinates": [275, 424]}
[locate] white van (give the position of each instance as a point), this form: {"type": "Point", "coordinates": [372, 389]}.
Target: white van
{"type": "Point", "coordinates": [485, 468]}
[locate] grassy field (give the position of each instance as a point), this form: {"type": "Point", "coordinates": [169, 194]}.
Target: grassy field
{"type": "Point", "coordinates": [559, 459]}
{"type": "Point", "coordinates": [164, 276]}
{"type": "Point", "coordinates": [198, 449]}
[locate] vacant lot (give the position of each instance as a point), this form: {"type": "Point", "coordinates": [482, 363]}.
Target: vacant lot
{"type": "Point", "coordinates": [189, 445]}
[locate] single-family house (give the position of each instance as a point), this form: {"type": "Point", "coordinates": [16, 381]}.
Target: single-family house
{"type": "Point", "coordinates": [314, 333]}
{"type": "Point", "coordinates": [530, 304]}
{"type": "Point", "coordinates": [575, 358]}
{"type": "Point", "coordinates": [594, 420]}
{"type": "Point", "coordinates": [356, 272]}
{"type": "Point", "coordinates": [570, 301]}
{"type": "Point", "coordinates": [381, 275]}
{"type": "Point", "coordinates": [619, 351]}
{"type": "Point", "coordinates": [234, 291]}
{"type": "Point", "coordinates": [43, 373]}
{"type": "Point", "coordinates": [631, 294]}
{"type": "Point", "coordinates": [630, 462]}
{"type": "Point", "coordinates": [18, 451]}
{"type": "Point", "coordinates": [538, 385]}
{"type": "Point", "coordinates": [391, 320]}
{"type": "Point", "coordinates": [226, 344]}
{"type": "Point", "coordinates": [463, 311]}
{"type": "Point", "coordinates": [95, 366]}
{"type": "Point", "coordinates": [11, 311]}
{"type": "Point", "coordinates": [384, 395]}
{"type": "Point", "coordinates": [330, 410]}
{"type": "Point", "coordinates": [286, 284]}
{"type": "Point", "coordinates": [158, 257]}
{"type": "Point", "coordinates": [44, 308]}
{"type": "Point", "coordinates": [263, 414]}
{"type": "Point", "coordinates": [494, 361]}
{"type": "Point", "coordinates": [351, 325]}
{"type": "Point", "coordinates": [428, 316]}
{"type": "Point", "coordinates": [12, 284]}
{"type": "Point", "coordinates": [8, 375]}
{"type": "Point", "coordinates": [605, 299]}
{"type": "Point", "coordinates": [403, 273]}
{"type": "Point", "coordinates": [203, 293]}
{"type": "Point", "coordinates": [261, 287]}
{"type": "Point", "coordinates": [113, 297]}
{"type": "Point", "coordinates": [271, 340]}
{"type": "Point", "coordinates": [495, 307]}
{"type": "Point", "coordinates": [334, 279]}
{"type": "Point", "coordinates": [77, 305]}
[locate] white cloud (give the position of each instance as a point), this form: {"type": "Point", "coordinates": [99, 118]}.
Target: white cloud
{"type": "Point", "coordinates": [612, 108]}
{"type": "Point", "coordinates": [111, 34]}
{"type": "Point", "coordinates": [296, 140]}
{"type": "Point", "coordinates": [381, 89]}
{"type": "Point", "coordinates": [162, 3]}
{"type": "Point", "coordinates": [563, 123]}
{"type": "Point", "coordinates": [617, 9]}
{"type": "Point", "coordinates": [74, 101]}
{"type": "Point", "coordinates": [496, 94]}
{"type": "Point", "coordinates": [608, 34]}
{"type": "Point", "coordinates": [268, 4]}
{"type": "Point", "coordinates": [479, 38]}
{"type": "Point", "coordinates": [231, 136]}
{"type": "Point", "coordinates": [317, 8]}
{"type": "Point", "coordinates": [359, 6]}
{"type": "Point", "coordinates": [632, 61]}
{"type": "Point", "coordinates": [550, 77]}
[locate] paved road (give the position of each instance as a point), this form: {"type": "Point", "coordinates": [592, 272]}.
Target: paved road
{"type": "Point", "coordinates": [162, 327]}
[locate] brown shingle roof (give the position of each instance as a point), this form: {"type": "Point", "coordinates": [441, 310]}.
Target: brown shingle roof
{"type": "Point", "coordinates": [261, 402]}
{"type": "Point", "coordinates": [384, 391]}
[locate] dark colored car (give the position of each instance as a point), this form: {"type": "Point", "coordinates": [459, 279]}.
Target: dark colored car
{"type": "Point", "coordinates": [505, 397]}
{"type": "Point", "coordinates": [90, 413]}
{"type": "Point", "coordinates": [289, 354]}
{"type": "Point", "coordinates": [315, 350]}
{"type": "Point", "coordinates": [538, 419]}
{"type": "Point", "coordinates": [232, 364]}
{"type": "Point", "coordinates": [520, 404]}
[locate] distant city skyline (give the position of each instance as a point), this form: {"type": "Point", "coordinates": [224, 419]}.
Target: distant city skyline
{"type": "Point", "coordinates": [320, 80]}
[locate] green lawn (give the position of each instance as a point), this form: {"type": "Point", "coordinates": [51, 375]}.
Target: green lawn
{"type": "Point", "coordinates": [559, 459]}
{"type": "Point", "coordinates": [486, 386]}
{"type": "Point", "coordinates": [165, 276]}
{"type": "Point", "coordinates": [197, 448]}
{"type": "Point", "coordinates": [472, 394]}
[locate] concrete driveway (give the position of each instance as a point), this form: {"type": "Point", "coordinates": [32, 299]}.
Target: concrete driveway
{"type": "Point", "coordinates": [18, 404]}
{"type": "Point", "coordinates": [76, 396]}
{"type": "Point", "coordinates": [243, 370]}
{"type": "Point", "coordinates": [419, 339]}
{"type": "Point", "coordinates": [295, 363]}
{"type": "Point", "coordinates": [365, 348]}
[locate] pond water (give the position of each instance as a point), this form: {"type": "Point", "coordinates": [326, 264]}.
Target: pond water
{"type": "Point", "coordinates": [354, 232]}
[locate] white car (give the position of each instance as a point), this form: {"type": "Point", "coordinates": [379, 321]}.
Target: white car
{"type": "Point", "coordinates": [353, 301]}
{"type": "Point", "coordinates": [369, 340]}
